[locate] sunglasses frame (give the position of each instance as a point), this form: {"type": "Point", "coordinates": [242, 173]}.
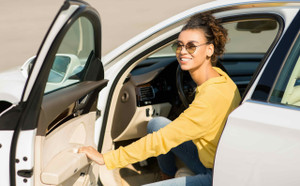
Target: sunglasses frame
{"type": "Point", "coordinates": [177, 48]}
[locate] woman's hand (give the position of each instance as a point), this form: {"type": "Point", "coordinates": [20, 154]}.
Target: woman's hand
{"type": "Point", "coordinates": [92, 154]}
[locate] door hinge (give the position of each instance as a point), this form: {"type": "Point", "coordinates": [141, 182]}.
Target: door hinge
{"type": "Point", "coordinates": [25, 173]}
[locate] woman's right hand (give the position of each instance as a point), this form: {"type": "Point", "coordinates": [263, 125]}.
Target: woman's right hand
{"type": "Point", "coordinates": [92, 154]}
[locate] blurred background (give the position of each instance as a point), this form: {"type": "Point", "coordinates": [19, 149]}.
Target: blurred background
{"type": "Point", "coordinates": [25, 23]}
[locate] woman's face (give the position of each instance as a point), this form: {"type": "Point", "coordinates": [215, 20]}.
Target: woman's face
{"type": "Point", "coordinates": [196, 59]}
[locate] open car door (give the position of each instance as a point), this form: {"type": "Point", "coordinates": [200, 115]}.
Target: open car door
{"type": "Point", "coordinates": [260, 142]}
{"type": "Point", "coordinates": [57, 111]}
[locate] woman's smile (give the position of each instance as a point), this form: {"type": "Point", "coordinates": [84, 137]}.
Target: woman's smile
{"type": "Point", "coordinates": [185, 62]}
{"type": "Point", "coordinates": [185, 59]}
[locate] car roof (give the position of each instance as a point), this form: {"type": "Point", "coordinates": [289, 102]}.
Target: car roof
{"type": "Point", "coordinates": [217, 4]}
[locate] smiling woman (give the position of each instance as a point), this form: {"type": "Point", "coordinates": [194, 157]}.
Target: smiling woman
{"type": "Point", "coordinates": [150, 85]}
{"type": "Point", "coordinates": [194, 135]}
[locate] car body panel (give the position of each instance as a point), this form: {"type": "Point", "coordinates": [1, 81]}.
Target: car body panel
{"type": "Point", "coordinates": [5, 137]}
{"type": "Point", "coordinates": [12, 95]}
{"type": "Point", "coordinates": [25, 155]}
{"type": "Point", "coordinates": [259, 141]}
{"type": "Point", "coordinates": [253, 147]}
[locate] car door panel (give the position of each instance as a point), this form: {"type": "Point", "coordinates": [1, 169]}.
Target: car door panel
{"type": "Point", "coordinates": [76, 32]}
{"type": "Point", "coordinates": [60, 160]}
{"type": "Point", "coordinates": [259, 137]}
{"type": "Point", "coordinates": [59, 139]}
{"type": "Point", "coordinates": [259, 144]}
{"type": "Point", "coordinates": [56, 106]}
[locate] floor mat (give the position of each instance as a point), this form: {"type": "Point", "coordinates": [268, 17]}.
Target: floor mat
{"type": "Point", "coordinates": [136, 175]}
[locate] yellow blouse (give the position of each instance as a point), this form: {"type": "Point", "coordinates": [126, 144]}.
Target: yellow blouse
{"type": "Point", "coordinates": [202, 123]}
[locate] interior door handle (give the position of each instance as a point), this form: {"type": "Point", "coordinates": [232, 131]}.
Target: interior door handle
{"type": "Point", "coordinates": [63, 166]}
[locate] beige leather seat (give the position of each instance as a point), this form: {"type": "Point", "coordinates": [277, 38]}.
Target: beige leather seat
{"type": "Point", "coordinates": [291, 94]}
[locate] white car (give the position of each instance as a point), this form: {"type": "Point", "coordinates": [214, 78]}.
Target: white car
{"type": "Point", "coordinates": [44, 120]}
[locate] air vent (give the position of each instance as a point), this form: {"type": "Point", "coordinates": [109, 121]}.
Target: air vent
{"type": "Point", "coordinates": [146, 93]}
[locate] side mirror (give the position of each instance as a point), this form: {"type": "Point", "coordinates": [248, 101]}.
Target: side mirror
{"type": "Point", "coordinates": [64, 66]}
{"type": "Point", "coordinates": [59, 69]}
{"type": "Point", "coordinates": [27, 66]}
{"type": "Point", "coordinates": [65, 71]}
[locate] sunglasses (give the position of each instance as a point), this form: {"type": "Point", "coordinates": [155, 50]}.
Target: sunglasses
{"type": "Point", "coordinates": [190, 47]}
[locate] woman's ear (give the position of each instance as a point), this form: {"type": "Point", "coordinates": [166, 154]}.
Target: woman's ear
{"type": "Point", "coordinates": [210, 50]}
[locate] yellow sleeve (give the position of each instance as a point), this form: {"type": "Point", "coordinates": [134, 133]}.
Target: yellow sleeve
{"type": "Point", "coordinates": [191, 124]}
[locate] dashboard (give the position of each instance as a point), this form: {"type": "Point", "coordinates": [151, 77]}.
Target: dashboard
{"type": "Point", "coordinates": [155, 82]}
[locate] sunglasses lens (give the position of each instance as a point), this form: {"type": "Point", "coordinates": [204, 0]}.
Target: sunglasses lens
{"type": "Point", "coordinates": [176, 47]}
{"type": "Point", "coordinates": [190, 48]}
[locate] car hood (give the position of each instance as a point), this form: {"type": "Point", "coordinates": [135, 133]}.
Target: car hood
{"type": "Point", "coordinates": [12, 83]}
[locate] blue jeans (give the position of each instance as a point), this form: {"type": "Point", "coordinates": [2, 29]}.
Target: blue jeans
{"type": "Point", "coordinates": [187, 152]}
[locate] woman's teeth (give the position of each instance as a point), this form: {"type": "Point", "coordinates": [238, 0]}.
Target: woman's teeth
{"type": "Point", "coordinates": [185, 59]}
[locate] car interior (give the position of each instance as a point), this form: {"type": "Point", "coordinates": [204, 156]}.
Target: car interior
{"type": "Point", "coordinates": [152, 88]}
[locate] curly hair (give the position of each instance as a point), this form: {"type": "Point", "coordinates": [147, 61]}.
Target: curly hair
{"type": "Point", "coordinates": [215, 33]}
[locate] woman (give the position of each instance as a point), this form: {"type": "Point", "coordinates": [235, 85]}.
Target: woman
{"type": "Point", "coordinates": [194, 135]}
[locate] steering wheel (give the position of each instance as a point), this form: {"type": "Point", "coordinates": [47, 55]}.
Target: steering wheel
{"type": "Point", "coordinates": [185, 86]}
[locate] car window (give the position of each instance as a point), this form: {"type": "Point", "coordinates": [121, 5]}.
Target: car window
{"type": "Point", "coordinates": [245, 36]}
{"type": "Point", "coordinates": [72, 55]}
{"type": "Point", "coordinates": [250, 36]}
{"type": "Point", "coordinates": [249, 40]}
{"type": "Point", "coordinates": [287, 87]}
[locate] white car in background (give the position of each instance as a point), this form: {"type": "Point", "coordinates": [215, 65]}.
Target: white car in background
{"type": "Point", "coordinates": [61, 101]}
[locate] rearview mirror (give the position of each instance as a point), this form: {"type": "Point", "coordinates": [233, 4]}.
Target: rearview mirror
{"type": "Point", "coordinates": [256, 26]}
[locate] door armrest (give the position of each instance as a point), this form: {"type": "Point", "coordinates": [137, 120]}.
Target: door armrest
{"type": "Point", "coordinates": [63, 166]}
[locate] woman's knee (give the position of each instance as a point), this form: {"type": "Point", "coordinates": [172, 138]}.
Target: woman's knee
{"type": "Point", "coordinates": [157, 123]}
